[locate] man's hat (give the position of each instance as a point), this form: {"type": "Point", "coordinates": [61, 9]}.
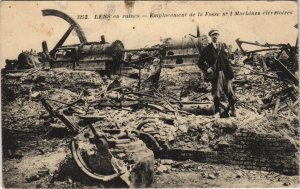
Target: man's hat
{"type": "Point", "coordinates": [213, 32]}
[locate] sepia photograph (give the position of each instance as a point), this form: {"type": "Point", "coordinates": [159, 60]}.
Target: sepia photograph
{"type": "Point", "coordinates": [149, 94]}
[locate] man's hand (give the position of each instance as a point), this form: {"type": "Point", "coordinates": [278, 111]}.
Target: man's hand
{"type": "Point", "coordinates": [208, 75]}
{"type": "Point", "coordinates": [209, 70]}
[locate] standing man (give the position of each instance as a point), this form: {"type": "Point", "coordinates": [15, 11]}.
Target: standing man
{"type": "Point", "coordinates": [155, 68]}
{"type": "Point", "coordinates": [154, 73]}
{"type": "Point", "coordinates": [217, 69]}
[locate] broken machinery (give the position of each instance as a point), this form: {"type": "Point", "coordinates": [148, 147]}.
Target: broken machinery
{"type": "Point", "coordinates": [106, 154]}
{"type": "Point", "coordinates": [282, 58]}
{"type": "Point", "coordinates": [96, 56]}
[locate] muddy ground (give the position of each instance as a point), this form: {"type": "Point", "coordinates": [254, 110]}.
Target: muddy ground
{"type": "Point", "coordinates": [31, 155]}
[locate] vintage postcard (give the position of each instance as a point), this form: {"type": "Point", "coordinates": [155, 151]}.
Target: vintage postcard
{"type": "Point", "coordinates": [158, 94]}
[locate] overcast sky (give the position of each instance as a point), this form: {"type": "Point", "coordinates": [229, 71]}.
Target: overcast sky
{"type": "Point", "coordinates": [23, 27]}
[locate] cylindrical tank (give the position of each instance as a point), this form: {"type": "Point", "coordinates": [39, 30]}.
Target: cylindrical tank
{"type": "Point", "coordinates": [111, 55]}
{"type": "Point", "coordinates": [115, 49]}
{"type": "Point", "coordinates": [185, 42]}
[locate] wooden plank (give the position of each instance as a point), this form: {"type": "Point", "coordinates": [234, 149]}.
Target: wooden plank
{"type": "Point", "coordinates": [276, 106]}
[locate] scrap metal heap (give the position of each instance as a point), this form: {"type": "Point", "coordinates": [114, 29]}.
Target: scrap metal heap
{"type": "Point", "coordinates": [279, 57]}
{"type": "Point", "coordinates": [97, 56]}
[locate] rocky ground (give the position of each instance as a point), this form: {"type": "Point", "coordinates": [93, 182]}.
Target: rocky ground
{"type": "Point", "coordinates": [32, 154]}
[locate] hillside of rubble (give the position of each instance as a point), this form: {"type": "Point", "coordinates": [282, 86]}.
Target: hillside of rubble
{"type": "Point", "coordinates": [177, 114]}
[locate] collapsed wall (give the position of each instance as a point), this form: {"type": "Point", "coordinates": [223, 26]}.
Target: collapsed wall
{"type": "Point", "coordinates": [251, 149]}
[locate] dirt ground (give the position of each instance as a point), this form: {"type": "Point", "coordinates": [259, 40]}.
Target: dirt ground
{"type": "Point", "coordinates": [17, 173]}
{"type": "Point", "coordinates": [208, 176]}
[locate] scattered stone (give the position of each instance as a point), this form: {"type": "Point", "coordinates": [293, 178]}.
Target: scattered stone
{"type": "Point", "coordinates": [183, 128]}
{"type": "Point", "coordinates": [286, 183]}
{"type": "Point", "coordinates": [187, 165]}
{"type": "Point", "coordinates": [38, 186]}
{"type": "Point", "coordinates": [171, 138]}
{"type": "Point", "coordinates": [121, 155]}
{"type": "Point", "coordinates": [239, 175]}
{"type": "Point", "coordinates": [172, 128]}
{"type": "Point", "coordinates": [163, 169]}
{"type": "Point", "coordinates": [279, 179]}
{"type": "Point", "coordinates": [32, 178]}
{"type": "Point", "coordinates": [222, 144]}
{"type": "Point", "coordinates": [204, 138]}
{"type": "Point", "coordinates": [148, 129]}
{"type": "Point", "coordinates": [181, 143]}
{"type": "Point", "coordinates": [174, 169]}
{"type": "Point", "coordinates": [186, 139]}
{"type": "Point", "coordinates": [35, 94]}
{"type": "Point", "coordinates": [177, 164]}
{"type": "Point", "coordinates": [167, 161]}
{"type": "Point", "coordinates": [43, 172]}
{"type": "Point", "coordinates": [211, 176]}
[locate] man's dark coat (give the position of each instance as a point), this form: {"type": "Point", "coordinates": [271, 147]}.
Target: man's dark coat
{"type": "Point", "coordinates": [208, 59]}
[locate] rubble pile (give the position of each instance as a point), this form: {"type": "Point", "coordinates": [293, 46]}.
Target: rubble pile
{"type": "Point", "coordinates": [160, 117]}
{"type": "Point", "coordinates": [262, 90]}
{"type": "Point", "coordinates": [25, 84]}
{"type": "Point", "coordinates": [184, 82]}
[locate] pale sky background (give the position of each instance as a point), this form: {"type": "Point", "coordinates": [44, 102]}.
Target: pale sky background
{"type": "Point", "coordinates": [23, 27]}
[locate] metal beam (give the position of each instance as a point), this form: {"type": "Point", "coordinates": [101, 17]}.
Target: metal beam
{"type": "Point", "coordinates": [62, 40]}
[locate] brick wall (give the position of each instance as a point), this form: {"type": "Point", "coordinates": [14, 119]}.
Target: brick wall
{"type": "Point", "coordinates": [267, 152]}
{"type": "Point", "coordinates": [248, 150]}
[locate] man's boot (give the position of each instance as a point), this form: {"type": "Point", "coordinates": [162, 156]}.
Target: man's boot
{"type": "Point", "coordinates": [233, 112]}
{"type": "Point", "coordinates": [224, 114]}
{"type": "Point", "coordinates": [218, 109]}
{"type": "Point", "coordinates": [231, 101]}
{"type": "Point", "coordinates": [217, 105]}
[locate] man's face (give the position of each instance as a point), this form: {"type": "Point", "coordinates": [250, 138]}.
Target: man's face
{"type": "Point", "coordinates": [214, 37]}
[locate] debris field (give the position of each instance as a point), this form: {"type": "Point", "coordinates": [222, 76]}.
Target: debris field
{"type": "Point", "coordinates": [171, 135]}
{"type": "Point", "coordinates": [96, 114]}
